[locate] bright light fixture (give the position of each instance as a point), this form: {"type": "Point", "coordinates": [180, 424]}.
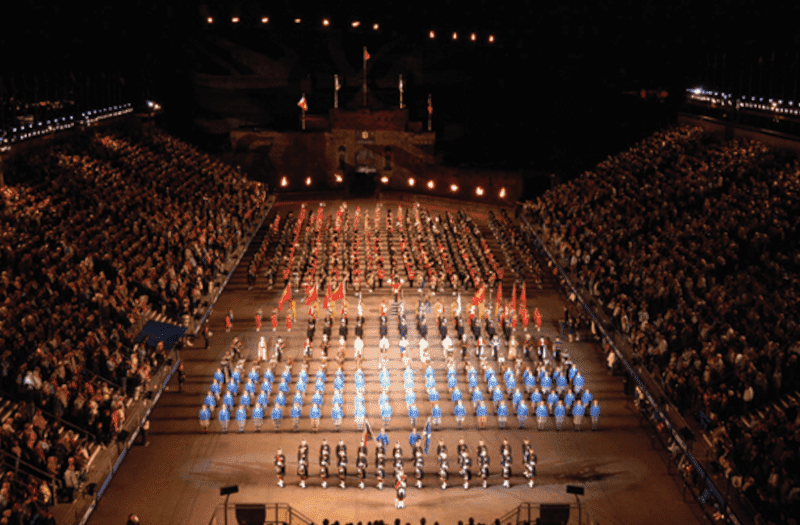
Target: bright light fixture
{"type": "Point", "coordinates": [284, 182]}
{"type": "Point", "coordinates": [479, 191]}
{"type": "Point", "coordinates": [430, 184]}
{"type": "Point", "coordinates": [411, 181]}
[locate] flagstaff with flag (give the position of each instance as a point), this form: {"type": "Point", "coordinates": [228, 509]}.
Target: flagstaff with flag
{"type": "Point", "coordinates": [336, 87]}
{"type": "Point", "coordinates": [400, 87]}
{"type": "Point", "coordinates": [366, 57]}
{"type": "Point", "coordinates": [304, 107]}
{"type": "Point", "coordinates": [430, 111]}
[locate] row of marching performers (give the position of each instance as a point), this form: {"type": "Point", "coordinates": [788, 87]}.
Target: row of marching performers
{"type": "Point", "coordinates": [339, 461]}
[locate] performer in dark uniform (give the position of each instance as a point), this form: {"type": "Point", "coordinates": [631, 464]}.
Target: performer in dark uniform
{"type": "Point", "coordinates": [312, 325]}
{"type": "Point", "coordinates": [506, 462]}
{"type": "Point", "coordinates": [280, 466]}
{"type": "Point", "coordinates": [361, 465]}
{"type": "Point", "coordinates": [419, 466]}
{"type": "Point", "coordinates": [530, 465]}
{"type": "Point", "coordinates": [397, 454]}
{"type": "Point", "coordinates": [400, 486]}
{"type": "Point", "coordinates": [466, 463]}
{"type": "Point", "coordinates": [380, 464]}
{"type": "Point", "coordinates": [483, 458]}
{"type": "Point", "coordinates": [324, 461]}
{"type": "Point", "coordinates": [302, 462]}
{"type": "Point", "coordinates": [341, 452]}
{"type": "Point", "coordinates": [443, 466]}
{"type": "Point", "coordinates": [460, 450]}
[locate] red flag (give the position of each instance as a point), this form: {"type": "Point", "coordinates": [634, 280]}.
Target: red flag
{"type": "Point", "coordinates": [366, 54]}
{"type": "Point", "coordinates": [312, 296]}
{"type": "Point", "coordinates": [287, 296]}
{"type": "Point", "coordinates": [339, 293]}
{"type": "Point", "coordinates": [479, 296]}
{"type": "Point", "coordinates": [302, 103]}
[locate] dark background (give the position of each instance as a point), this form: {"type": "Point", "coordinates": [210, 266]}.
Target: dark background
{"type": "Point", "coordinates": [556, 94]}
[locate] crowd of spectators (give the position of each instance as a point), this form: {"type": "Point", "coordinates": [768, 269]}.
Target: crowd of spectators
{"type": "Point", "coordinates": [94, 231]}
{"type": "Point", "coordinates": [690, 243]}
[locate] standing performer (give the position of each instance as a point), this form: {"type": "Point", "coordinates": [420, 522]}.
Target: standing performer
{"type": "Point", "coordinates": [397, 454]}
{"type": "Point", "coordinates": [302, 463]}
{"type": "Point", "coordinates": [229, 321]}
{"type": "Point", "coordinates": [274, 319]}
{"type": "Point", "coordinates": [262, 350]}
{"type": "Point", "coordinates": [280, 466]}
{"type": "Point", "coordinates": [443, 466]}
{"type": "Point", "coordinates": [288, 322]}
{"type": "Point", "coordinates": [537, 319]}
{"type": "Point", "coordinates": [380, 463]}
{"type": "Point", "coordinates": [400, 486]}
{"type": "Point", "coordinates": [341, 451]}
{"type": "Point", "coordinates": [419, 464]}
{"type": "Point", "coordinates": [483, 459]}
{"type": "Point", "coordinates": [205, 418]}
{"type": "Point", "coordinates": [361, 465]}
{"type": "Point", "coordinates": [324, 461]}
{"type": "Point", "coordinates": [530, 468]}
{"type": "Point", "coordinates": [258, 320]}
{"type": "Point", "coordinates": [506, 462]}
{"type": "Point", "coordinates": [466, 463]}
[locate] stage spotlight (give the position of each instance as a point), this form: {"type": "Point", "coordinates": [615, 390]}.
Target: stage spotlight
{"type": "Point", "coordinates": [491, 38]}
{"type": "Point", "coordinates": [479, 191]}
{"type": "Point", "coordinates": [472, 37]}
{"type": "Point", "coordinates": [455, 35]}
{"type": "Point", "coordinates": [297, 20]}
{"type": "Point", "coordinates": [326, 22]}
{"type": "Point", "coordinates": [355, 23]}
{"type": "Point", "coordinates": [502, 193]}
{"type": "Point", "coordinates": [308, 181]}
{"type": "Point", "coordinates": [430, 184]}
{"type": "Point", "coordinates": [284, 182]}
{"type": "Point", "coordinates": [411, 181]}
{"type": "Point", "coordinates": [210, 20]}
{"type": "Point", "coordinates": [264, 19]}
{"type": "Point", "coordinates": [385, 179]}
{"type": "Point", "coordinates": [235, 19]}
{"type": "Point", "coordinates": [431, 35]}
{"type": "Point", "coordinates": [338, 178]}
{"type": "Point", "coordinates": [454, 187]}
{"type": "Point", "coordinates": [375, 27]}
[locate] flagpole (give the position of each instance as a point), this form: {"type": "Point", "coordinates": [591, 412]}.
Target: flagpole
{"type": "Point", "coordinates": [364, 56]}
{"type": "Point", "coordinates": [401, 91]}
{"type": "Point", "coordinates": [335, 91]}
{"type": "Point", "coordinates": [303, 116]}
{"type": "Point", "coordinates": [430, 111]}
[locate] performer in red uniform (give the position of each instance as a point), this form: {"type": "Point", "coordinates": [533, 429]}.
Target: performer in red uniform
{"type": "Point", "coordinates": [289, 322]}
{"type": "Point", "coordinates": [274, 319]}
{"type": "Point", "coordinates": [537, 318]}
{"type": "Point", "coordinates": [229, 321]}
{"type": "Point", "coordinates": [258, 320]}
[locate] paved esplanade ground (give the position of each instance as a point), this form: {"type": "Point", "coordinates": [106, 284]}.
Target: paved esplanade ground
{"type": "Point", "coordinates": [176, 479]}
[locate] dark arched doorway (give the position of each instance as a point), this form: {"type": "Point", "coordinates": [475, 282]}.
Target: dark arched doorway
{"type": "Point", "coordinates": [363, 178]}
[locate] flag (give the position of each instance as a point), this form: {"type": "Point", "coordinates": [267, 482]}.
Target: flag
{"type": "Point", "coordinates": [366, 54]}
{"type": "Point", "coordinates": [479, 296]}
{"type": "Point", "coordinates": [427, 434]}
{"type": "Point", "coordinates": [368, 435]}
{"type": "Point", "coordinates": [302, 103]}
{"type": "Point", "coordinates": [287, 296]}
{"type": "Point", "coordinates": [312, 295]}
{"type": "Point", "coordinates": [339, 293]}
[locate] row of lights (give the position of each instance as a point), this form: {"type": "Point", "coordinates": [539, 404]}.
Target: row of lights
{"type": "Point", "coordinates": [45, 127]}
{"type": "Point", "coordinates": [479, 191]}
{"type": "Point", "coordinates": [473, 37]}
{"type": "Point", "coordinates": [715, 97]}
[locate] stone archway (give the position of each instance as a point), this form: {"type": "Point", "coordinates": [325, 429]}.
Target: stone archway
{"type": "Point", "coordinates": [362, 181]}
{"type": "Point", "coordinates": [365, 161]}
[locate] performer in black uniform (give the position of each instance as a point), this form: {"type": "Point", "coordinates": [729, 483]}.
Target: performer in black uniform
{"type": "Point", "coordinates": [341, 451]}
{"type": "Point", "coordinates": [280, 466]}
{"type": "Point", "coordinates": [397, 454]}
{"type": "Point", "coordinates": [400, 486]}
{"type": "Point", "coordinates": [483, 458]}
{"type": "Point", "coordinates": [443, 466]}
{"type": "Point", "coordinates": [380, 464]}
{"type": "Point", "coordinates": [419, 466]}
{"type": "Point", "coordinates": [324, 462]}
{"type": "Point", "coordinates": [302, 463]}
{"type": "Point", "coordinates": [506, 462]}
{"type": "Point", "coordinates": [361, 465]}
{"type": "Point", "coordinates": [466, 463]}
